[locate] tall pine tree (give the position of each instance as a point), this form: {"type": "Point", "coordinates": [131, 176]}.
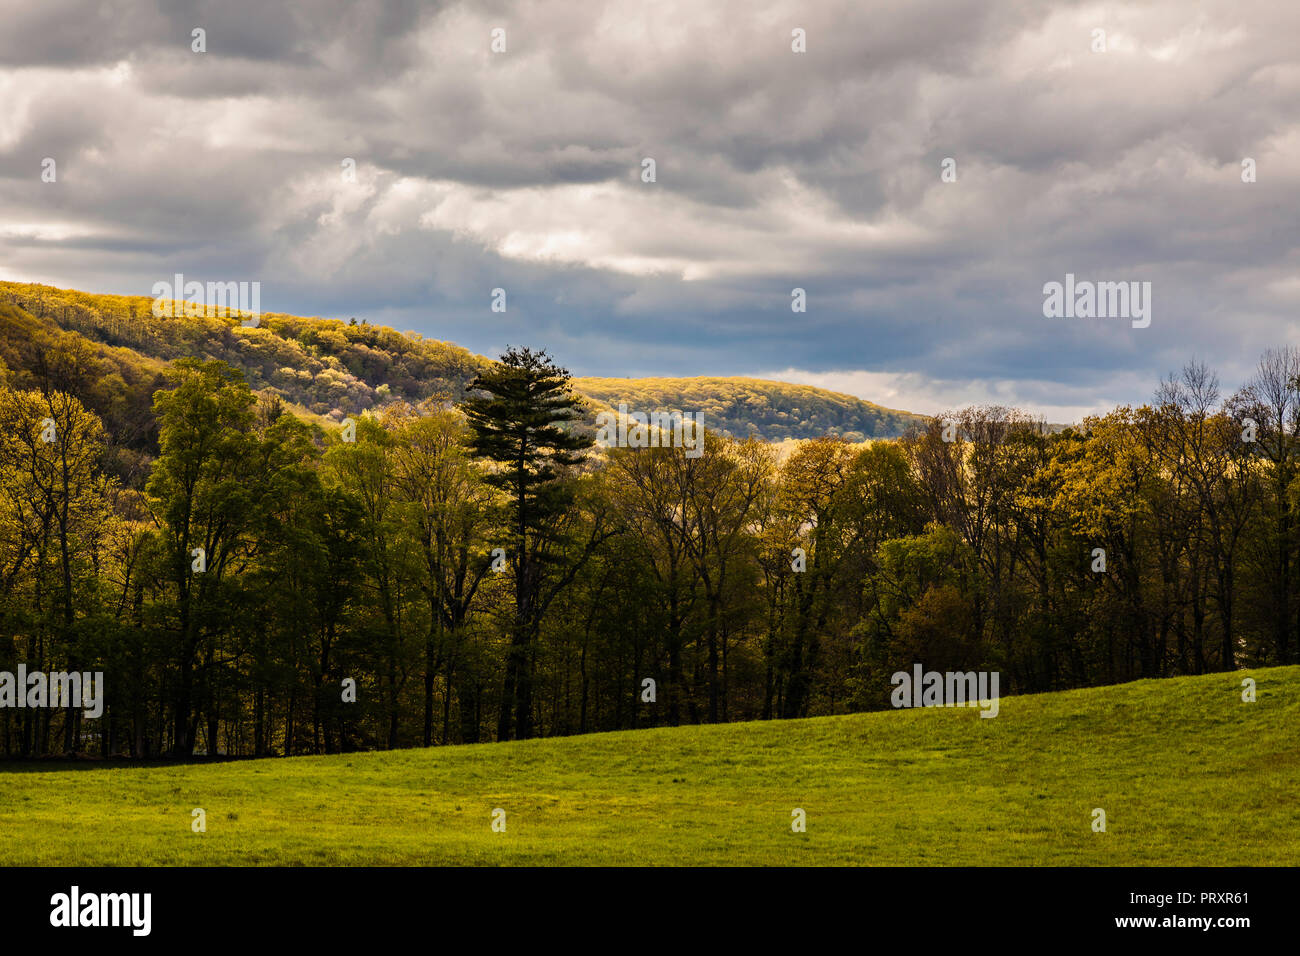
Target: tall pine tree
{"type": "Point", "coordinates": [519, 410]}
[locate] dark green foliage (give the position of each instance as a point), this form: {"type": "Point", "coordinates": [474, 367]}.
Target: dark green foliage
{"type": "Point", "coordinates": [518, 411]}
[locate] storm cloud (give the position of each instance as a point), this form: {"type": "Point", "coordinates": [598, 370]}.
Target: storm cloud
{"type": "Point", "coordinates": [1099, 140]}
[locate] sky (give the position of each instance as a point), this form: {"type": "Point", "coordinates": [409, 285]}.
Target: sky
{"type": "Point", "coordinates": [921, 170]}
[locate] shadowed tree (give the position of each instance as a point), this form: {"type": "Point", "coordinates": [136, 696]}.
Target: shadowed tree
{"type": "Point", "coordinates": [519, 410]}
{"type": "Point", "coordinates": [203, 494]}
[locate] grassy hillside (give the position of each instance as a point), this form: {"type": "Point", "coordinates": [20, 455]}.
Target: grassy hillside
{"type": "Point", "coordinates": [772, 411]}
{"type": "Point", "coordinates": [1186, 772]}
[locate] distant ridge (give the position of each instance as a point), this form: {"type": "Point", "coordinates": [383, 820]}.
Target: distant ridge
{"type": "Point", "coordinates": [769, 410]}
{"type": "Point", "coordinates": [326, 369]}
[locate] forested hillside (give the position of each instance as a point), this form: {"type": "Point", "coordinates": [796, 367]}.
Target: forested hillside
{"type": "Point", "coordinates": [468, 567]}
{"type": "Point", "coordinates": [752, 407]}
{"type": "Point", "coordinates": [326, 369]}
{"type": "Point", "coordinates": [320, 369]}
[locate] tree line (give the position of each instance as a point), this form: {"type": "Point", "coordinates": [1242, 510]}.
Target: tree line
{"type": "Point", "coordinates": [462, 571]}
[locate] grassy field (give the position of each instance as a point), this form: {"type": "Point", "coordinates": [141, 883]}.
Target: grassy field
{"type": "Point", "coordinates": [1186, 772]}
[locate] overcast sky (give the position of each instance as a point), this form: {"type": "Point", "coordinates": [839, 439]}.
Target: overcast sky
{"type": "Point", "coordinates": [774, 170]}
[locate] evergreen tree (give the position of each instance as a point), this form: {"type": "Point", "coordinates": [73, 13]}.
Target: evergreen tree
{"type": "Point", "coordinates": [519, 410]}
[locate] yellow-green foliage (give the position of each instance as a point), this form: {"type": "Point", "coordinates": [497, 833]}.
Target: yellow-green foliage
{"type": "Point", "coordinates": [330, 367]}
{"type": "Point", "coordinates": [327, 366]}
{"type": "Point", "coordinates": [772, 411]}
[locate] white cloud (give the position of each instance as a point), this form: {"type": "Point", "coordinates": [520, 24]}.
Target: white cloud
{"type": "Point", "coordinates": [917, 392]}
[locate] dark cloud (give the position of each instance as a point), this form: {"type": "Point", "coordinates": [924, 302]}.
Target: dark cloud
{"type": "Point", "coordinates": [774, 170]}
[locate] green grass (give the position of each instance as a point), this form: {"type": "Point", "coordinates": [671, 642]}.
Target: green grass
{"type": "Point", "coordinates": [1186, 772]}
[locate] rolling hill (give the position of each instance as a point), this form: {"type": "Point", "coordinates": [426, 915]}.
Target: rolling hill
{"type": "Point", "coordinates": [771, 411]}
{"type": "Point", "coordinates": [1187, 773]}
{"type": "Point", "coordinates": [326, 369]}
